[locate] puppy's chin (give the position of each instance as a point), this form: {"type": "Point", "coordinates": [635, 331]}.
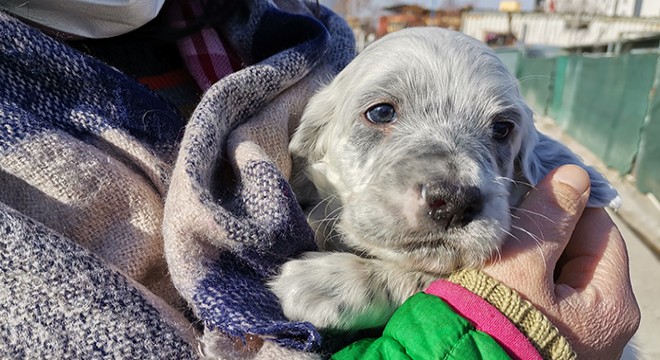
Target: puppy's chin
{"type": "Point", "coordinates": [448, 253]}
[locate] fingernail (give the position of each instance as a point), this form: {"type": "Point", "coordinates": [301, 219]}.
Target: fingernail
{"type": "Point", "coordinates": [573, 176]}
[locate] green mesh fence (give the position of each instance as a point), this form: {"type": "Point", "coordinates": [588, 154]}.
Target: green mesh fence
{"type": "Point", "coordinates": [536, 77]}
{"type": "Point", "coordinates": [563, 89]}
{"type": "Point", "coordinates": [608, 103]}
{"type": "Point", "coordinates": [648, 162]}
{"type": "Point", "coordinates": [510, 58]}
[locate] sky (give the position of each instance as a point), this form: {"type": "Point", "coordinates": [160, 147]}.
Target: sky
{"type": "Point", "coordinates": [527, 5]}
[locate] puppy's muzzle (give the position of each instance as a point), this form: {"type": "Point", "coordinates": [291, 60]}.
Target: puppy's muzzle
{"type": "Point", "coordinates": [450, 205]}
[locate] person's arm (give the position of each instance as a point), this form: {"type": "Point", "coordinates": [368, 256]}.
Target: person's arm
{"type": "Point", "coordinates": [85, 18]}
{"type": "Point", "coordinates": [572, 264]}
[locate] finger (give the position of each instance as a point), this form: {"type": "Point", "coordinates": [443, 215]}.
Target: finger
{"type": "Point", "coordinates": [543, 223]}
{"type": "Point", "coordinates": [596, 276]}
{"type": "Point", "coordinates": [596, 252]}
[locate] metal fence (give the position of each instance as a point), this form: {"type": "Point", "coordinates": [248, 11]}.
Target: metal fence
{"type": "Point", "coordinates": [606, 102]}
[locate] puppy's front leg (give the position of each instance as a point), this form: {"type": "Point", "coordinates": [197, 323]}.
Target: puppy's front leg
{"type": "Point", "coordinates": [333, 291]}
{"type": "Point", "coordinates": [342, 291]}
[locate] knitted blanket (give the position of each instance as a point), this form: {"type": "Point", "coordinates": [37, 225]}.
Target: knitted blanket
{"type": "Point", "coordinates": [117, 215]}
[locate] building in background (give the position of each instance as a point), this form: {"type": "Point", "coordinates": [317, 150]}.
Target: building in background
{"type": "Point", "coordinates": [578, 32]}
{"type": "Point", "coordinates": [403, 16]}
{"type": "Point", "coordinates": [650, 8]}
{"type": "Point", "coordinates": [578, 25]}
{"type": "Point", "coordinates": [622, 8]}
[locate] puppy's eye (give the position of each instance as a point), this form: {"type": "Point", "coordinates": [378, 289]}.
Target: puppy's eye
{"type": "Point", "coordinates": [501, 129]}
{"type": "Point", "coordinates": [381, 114]}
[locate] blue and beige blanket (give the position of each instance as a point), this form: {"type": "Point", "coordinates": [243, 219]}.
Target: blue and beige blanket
{"type": "Point", "coordinates": [127, 230]}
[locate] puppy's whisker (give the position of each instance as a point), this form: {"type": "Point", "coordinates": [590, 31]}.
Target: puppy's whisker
{"type": "Point", "coordinates": [512, 85]}
{"type": "Point", "coordinates": [533, 220]}
{"type": "Point", "coordinates": [534, 77]}
{"type": "Point", "coordinates": [538, 240]}
{"type": "Point", "coordinates": [328, 217]}
{"type": "Point", "coordinates": [510, 234]}
{"type": "Point", "coordinates": [498, 254]}
{"type": "Point", "coordinates": [327, 201]}
{"type": "Point", "coordinates": [324, 220]}
{"type": "Point", "coordinates": [529, 214]}
{"type": "Point", "coordinates": [335, 235]}
{"type": "Point", "coordinates": [498, 179]}
{"type": "Point", "coordinates": [331, 218]}
{"type": "Point", "coordinates": [498, 250]}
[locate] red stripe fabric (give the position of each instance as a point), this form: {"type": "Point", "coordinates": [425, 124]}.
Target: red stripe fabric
{"type": "Point", "coordinates": [204, 53]}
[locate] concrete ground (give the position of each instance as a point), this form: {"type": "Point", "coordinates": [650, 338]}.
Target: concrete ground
{"type": "Point", "coordinates": [639, 222]}
{"type": "Point", "coordinates": [645, 273]}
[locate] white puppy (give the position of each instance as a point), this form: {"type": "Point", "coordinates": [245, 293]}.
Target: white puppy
{"type": "Point", "coordinates": [408, 163]}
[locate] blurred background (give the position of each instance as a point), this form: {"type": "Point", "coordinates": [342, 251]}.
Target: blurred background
{"type": "Point", "coordinates": [589, 69]}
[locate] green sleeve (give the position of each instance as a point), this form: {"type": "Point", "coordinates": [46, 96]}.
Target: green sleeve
{"type": "Point", "coordinates": [425, 327]}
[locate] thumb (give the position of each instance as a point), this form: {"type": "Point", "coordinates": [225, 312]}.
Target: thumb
{"type": "Point", "coordinates": [540, 230]}
{"type": "Point", "coordinates": [544, 221]}
{"type": "Point", "coordinates": [570, 186]}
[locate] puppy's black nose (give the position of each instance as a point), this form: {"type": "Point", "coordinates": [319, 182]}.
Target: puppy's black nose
{"type": "Point", "coordinates": [451, 205]}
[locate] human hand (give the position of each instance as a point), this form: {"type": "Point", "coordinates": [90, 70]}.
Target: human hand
{"type": "Point", "coordinates": [572, 264]}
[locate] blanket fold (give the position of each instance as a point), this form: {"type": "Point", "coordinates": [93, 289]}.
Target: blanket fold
{"type": "Point", "coordinates": [230, 216]}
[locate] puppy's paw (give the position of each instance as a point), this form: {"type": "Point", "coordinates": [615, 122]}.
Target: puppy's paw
{"type": "Point", "coordinates": [332, 291]}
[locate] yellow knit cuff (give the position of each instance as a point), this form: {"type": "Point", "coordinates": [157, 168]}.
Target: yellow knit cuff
{"type": "Point", "coordinates": [530, 321]}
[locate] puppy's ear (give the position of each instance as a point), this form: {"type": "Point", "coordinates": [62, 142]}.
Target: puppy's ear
{"type": "Point", "coordinates": [309, 143]}
{"type": "Point", "coordinates": [540, 154]}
